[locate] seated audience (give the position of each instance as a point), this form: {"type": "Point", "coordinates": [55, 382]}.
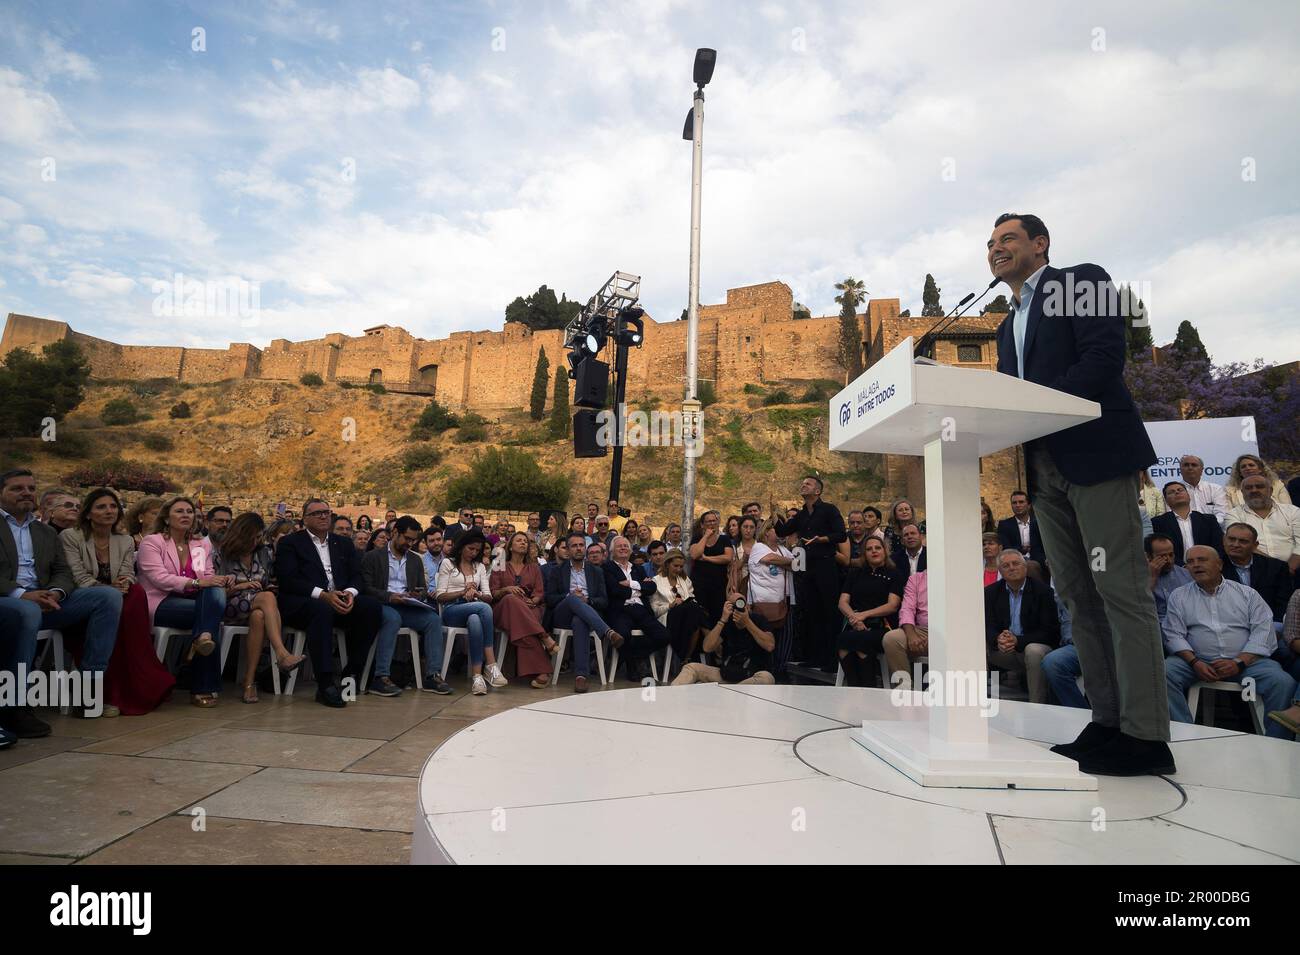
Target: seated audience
{"type": "Point", "coordinates": [140, 518]}
{"type": "Point", "coordinates": [464, 522]}
{"type": "Point", "coordinates": [100, 555]}
{"type": "Point", "coordinates": [848, 552]}
{"type": "Point", "coordinates": [395, 578]}
{"type": "Point", "coordinates": [361, 540]}
{"type": "Point", "coordinates": [1267, 576]}
{"type": "Point", "coordinates": [911, 638]}
{"type": "Point", "coordinates": [275, 533]}
{"type": "Point", "coordinates": [1021, 625]}
{"type": "Point", "coordinates": [1246, 466]}
{"type": "Point", "coordinates": [246, 561]}
{"type": "Point", "coordinates": [629, 610]}
{"type": "Point", "coordinates": [342, 526]}
{"type": "Point", "coordinates": [431, 558]}
{"type": "Point", "coordinates": [1151, 503]}
{"type": "Point", "coordinates": [909, 557]}
{"type": "Point", "coordinates": [871, 522]}
{"type": "Point", "coordinates": [319, 579]}
{"type": "Point", "coordinates": [379, 539]}
{"type": "Point", "coordinates": [1278, 525]}
{"type": "Point", "coordinates": [576, 595]}
{"type": "Point", "coordinates": [178, 572]}
{"type": "Point", "coordinates": [1163, 575]}
{"type": "Point", "coordinates": [59, 509]}
{"type": "Point", "coordinates": [988, 525]}
{"type": "Point", "coordinates": [558, 555]}
{"type": "Point", "coordinates": [518, 604]}
{"type": "Point", "coordinates": [1020, 530]}
{"type": "Point", "coordinates": [644, 538]}
{"type": "Point", "coordinates": [654, 561]}
{"type": "Point", "coordinates": [1288, 651]}
{"type": "Point", "coordinates": [673, 537]}
{"type": "Point", "coordinates": [1218, 630]}
{"type": "Point", "coordinates": [602, 535]}
{"type": "Point", "coordinates": [364, 524]}
{"type": "Point", "coordinates": [870, 596]}
{"type": "Point", "coordinates": [1184, 526]}
{"type": "Point", "coordinates": [596, 554]}
{"type": "Point", "coordinates": [992, 546]}
{"type": "Point", "coordinates": [673, 603]}
{"type": "Point", "coordinates": [218, 520]}
{"type": "Point", "coordinates": [465, 593]}
{"type": "Point", "coordinates": [744, 642]}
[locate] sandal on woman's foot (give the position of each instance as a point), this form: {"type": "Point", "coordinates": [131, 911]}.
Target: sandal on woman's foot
{"type": "Point", "coordinates": [250, 693]}
{"type": "Point", "coordinates": [614, 637]}
{"type": "Point", "coordinates": [290, 663]}
{"type": "Point", "coordinates": [204, 699]}
{"type": "Point", "coordinates": [204, 645]}
{"type": "Point", "coordinates": [551, 648]}
{"type": "Point", "coordinates": [540, 682]}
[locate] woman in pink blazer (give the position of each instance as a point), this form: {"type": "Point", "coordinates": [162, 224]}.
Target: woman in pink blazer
{"type": "Point", "coordinates": [183, 591]}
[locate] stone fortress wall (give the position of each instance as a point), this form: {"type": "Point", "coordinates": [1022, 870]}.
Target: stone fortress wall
{"type": "Point", "coordinates": [752, 338]}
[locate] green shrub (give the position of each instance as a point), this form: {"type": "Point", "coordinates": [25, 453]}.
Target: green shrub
{"type": "Point", "coordinates": [739, 451]}
{"type": "Point", "coordinates": [821, 390]}
{"type": "Point", "coordinates": [433, 420]}
{"type": "Point", "coordinates": [508, 479]}
{"type": "Point", "coordinates": [778, 397]}
{"type": "Point", "coordinates": [312, 380]}
{"type": "Point", "coordinates": [158, 442]}
{"type": "Point", "coordinates": [346, 384]}
{"type": "Point", "coordinates": [180, 410]}
{"type": "Point", "coordinates": [473, 427]}
{"type": "Point", "coordinates": [420, 457]}
{"type": "Point", "coordinates": [752, 389]}
{"type": "Point", "coordinates": [377, 388]}
{"type": "Point", "coordinates": [122, 475]}
{"type": "Point", "coordinates": [152, 387]}
{"type": "Point", "coordinates": [707, 394]}
{"type": "Point", "coordinates": [119, 411]}
{"type": "Point", "coordinates": [69, 444]}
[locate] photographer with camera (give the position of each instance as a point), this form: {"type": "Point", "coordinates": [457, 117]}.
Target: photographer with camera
{"type": "Point", "coordinates": [746, 642]}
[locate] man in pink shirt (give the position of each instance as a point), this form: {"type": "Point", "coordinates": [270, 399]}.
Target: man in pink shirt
{"type": "Point", "coordinates": [912, 638]}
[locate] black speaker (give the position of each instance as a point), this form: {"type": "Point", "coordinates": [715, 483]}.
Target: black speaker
{"type": "Point", "coordinates": [585, 427]}
{"type": "Point", "coordinates": [590, 383]}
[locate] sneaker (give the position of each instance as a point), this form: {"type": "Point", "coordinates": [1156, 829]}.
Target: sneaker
{"type": "Point", "coordinates": [383, 686]}
{"type": "Point", "coordinates": [434, 683]}
{"type": "Point", "coordinates": [495, 676]}
{"type": "Point", "coordinates": [480, 685]}
{"type": "Point", "coordinates": [7, 738]}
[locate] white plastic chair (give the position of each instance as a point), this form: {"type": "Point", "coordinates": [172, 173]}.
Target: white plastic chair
{"type": "Point", "coordinates": [415, 660]}
{"type": "Point", "coordinates": [53, 642]}
{"type": "Point", "coordinates": [228, 635]}
{"type": "Point", "coordinates": [562, 635]}
{"type": "Point", "coordinates": [654, 665]}
{"type": "Point", "coordinates": [918, 663]}
{"type": "Point", "coordinates": [449, 637]}
{"type": "Point", "coordinates": [1256, 705]}
{"type": "Point", "coordinates": [162, 636]}
{"type": "Point", "coordinates": [299, 645]}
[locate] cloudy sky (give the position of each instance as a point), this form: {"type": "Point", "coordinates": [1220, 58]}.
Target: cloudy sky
{"type": "Point", "coordinates": [422, 163]}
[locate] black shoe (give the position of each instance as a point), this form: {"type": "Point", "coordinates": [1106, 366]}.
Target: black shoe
{"type": "Point", "coordinates": [1129, 756]}
{"type": "Point", "coordinates": [7, 739]}
{"type": "Point", "coordinates": [22, 723]}
{"type": "Point", "coordinates": [1093, 736]}
{"type": "Point", "coordinates": [330, 696]}
{"type": "Point", "coordinates": [434, 683]}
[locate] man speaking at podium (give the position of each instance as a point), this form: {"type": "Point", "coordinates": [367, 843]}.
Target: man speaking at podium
{"type": "Point", "coordinates": [1066, 331]}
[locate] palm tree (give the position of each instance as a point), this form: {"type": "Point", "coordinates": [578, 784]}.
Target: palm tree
{"type": "Point", "coordinates": [852, 292]}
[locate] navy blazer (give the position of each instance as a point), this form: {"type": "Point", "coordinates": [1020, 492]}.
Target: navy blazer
{"type": "Point", "coordinates": [617, 593]}
{"type": "Point", "coordinates": [1270, 578]}
{"type": "Point", "coordinates": [1039, 620]}
{"type": "Point", "coordinates": [1079, 348]}
{"type": "Point", "coordinates": [903, 567]}
{"type": "Point", "coordinates": [1009, 538]}
{"type": "Point", "coordinates": [1205, 530]}
{"type": "Point", "coordinates": [557, 586]}
{"type": "Point", "coordinates": [298, 567]}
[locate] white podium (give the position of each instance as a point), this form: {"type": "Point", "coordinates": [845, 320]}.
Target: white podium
{"type": "Point", "coordinates": [952, 416]}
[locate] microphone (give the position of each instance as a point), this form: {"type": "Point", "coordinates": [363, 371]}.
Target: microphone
{"type": "Point", "coordinates": [927, 340]}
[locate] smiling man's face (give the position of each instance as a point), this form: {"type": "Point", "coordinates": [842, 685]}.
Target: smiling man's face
{"type": "Point", "coordinates": [1012, 255]}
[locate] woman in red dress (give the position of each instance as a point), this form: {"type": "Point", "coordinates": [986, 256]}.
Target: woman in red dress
{"type": "Point", "coordinates": [518, 599]}
{"type": "Point", "coordinates": [101, 556]}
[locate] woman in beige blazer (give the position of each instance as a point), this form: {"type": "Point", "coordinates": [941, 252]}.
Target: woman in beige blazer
{"type": "Point", "coordinates": [100, 555]}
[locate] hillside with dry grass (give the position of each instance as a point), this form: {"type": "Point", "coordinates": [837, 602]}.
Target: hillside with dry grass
{"type": "Point", "coordinates": [257, 442]}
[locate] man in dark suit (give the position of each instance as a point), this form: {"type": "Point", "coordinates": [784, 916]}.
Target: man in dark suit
{"type": "Point", "coordinates": [1066, 331]}
{"type": "Point", "coordinates": [909, 551]}
{"type": "Point", "coordinates": [319, 579]}
{"type": "Point", "coordinates": [1021, 625]}
{"type": "Point", "coordinates": [1180, 521]}
{"type": "Point", "coordinates": [1267, 576]}
{"type": "Point", "coordinates": [1020, 531]}
{"type": "Point", "coordinates": [38, 591]}
{"type": "Point", "coordinates": [629, 609]}
{"type": "Point", "coordinates": [576, 595]}
{"type": "Point", "coordinates": [465, 522]}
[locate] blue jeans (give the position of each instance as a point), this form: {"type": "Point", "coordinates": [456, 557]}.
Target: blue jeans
{"type": "Point", "coordinates": [202, 614]}
{"type": "Point", "coordinates": [582, 618]}
{"type": "Point", "coordinates": [1061, 667]}
{"type": "Point", "coordinates": [1272, 685]}
{"type": "Point", "coordinates": [97, 607]}
{"type": "Point", "coordinates": [1288, 660]}
{"type": "Point", "coordinates": [423, 620]}
{"type": "Point", "coordinates": [476, 617]}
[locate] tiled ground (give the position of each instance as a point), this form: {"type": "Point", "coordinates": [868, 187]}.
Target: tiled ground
{"type": "Point", "coordinates": [284, 781]}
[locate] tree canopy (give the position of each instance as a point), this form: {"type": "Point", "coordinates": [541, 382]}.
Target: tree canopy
{"type": "Point", "coordinates": [34, 387]}
{"type": "Point", "coordinates": [542, 310]}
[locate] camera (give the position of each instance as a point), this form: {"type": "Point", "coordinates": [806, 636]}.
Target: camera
{"type": "Point", "coordinates": [739, 605]}
{"type": "Point", "coordinates": [624, 512]}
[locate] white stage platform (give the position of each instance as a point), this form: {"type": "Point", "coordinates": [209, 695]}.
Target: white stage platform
{"type": "Point", "coordinates": [730, 774]}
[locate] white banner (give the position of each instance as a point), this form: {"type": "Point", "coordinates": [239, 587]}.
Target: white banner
{"type": "Point", "coordinates": [1216, 441]}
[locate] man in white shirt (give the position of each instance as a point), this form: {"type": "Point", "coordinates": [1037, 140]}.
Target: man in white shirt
{"type": "Point", "coordinates": [1207, 497]}
{"type": "Point", "coordinates": [1277, 524]}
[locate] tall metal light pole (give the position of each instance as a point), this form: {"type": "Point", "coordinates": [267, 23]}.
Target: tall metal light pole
{"type": "Point", "coordinates": [694, 131]}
